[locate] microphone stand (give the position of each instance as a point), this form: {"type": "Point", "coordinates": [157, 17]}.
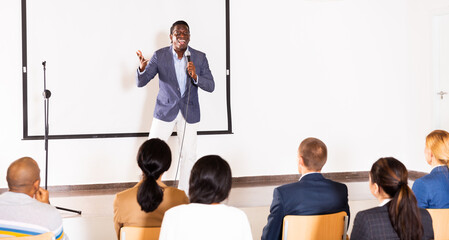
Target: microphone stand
{"type": "Point", "coordinates": [47, 95]}
{"type": "Point", "coordinates": [185, 120]}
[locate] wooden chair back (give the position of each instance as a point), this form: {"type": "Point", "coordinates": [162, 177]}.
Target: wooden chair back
{"type": "Point", "coordinates": [310, 227]}
{"type": "Point", "coordinates": [139, 233]}
{"type": "Point", "coordinates": [440, 222]}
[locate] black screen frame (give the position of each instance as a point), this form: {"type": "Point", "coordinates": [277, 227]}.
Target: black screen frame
{"type": "Point", "coordinates": [26, 135]}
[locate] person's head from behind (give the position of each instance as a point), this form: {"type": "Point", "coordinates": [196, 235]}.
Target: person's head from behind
{"type": "Point", "coordinates": [210, 180]}
{"type": "Point", "coordinates": [437, 148]}
{"type": "Point", "coordinates": [180, 35]}
{"type": "Point", "coordinates": [388, 178]}
{"type": "Point", "coordinates": [388, 175]}
{"type": "Point", "coordinates": [312, 155]}
{"type": "Point", "coordinates": [23, 176]}
{"type": "Point", "coordinates": [153, 158]}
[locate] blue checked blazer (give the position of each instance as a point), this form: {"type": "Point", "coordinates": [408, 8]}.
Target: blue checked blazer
{"type": "Point", "coordinates": [169, 100]}
{"type": "Point", "coordinates": [375, 223]}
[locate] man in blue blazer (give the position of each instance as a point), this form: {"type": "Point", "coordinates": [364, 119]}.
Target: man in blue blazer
{"type": "Point", "coordinates": [182, 70]}
{"type": "Point", "coordinates": [311, 195]}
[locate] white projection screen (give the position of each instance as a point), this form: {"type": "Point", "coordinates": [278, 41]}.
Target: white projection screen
{"type": "Point", "coordinates": [90, 51]}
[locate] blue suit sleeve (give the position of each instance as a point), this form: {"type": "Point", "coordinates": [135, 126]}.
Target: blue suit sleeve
{"type": "Point", "coordinates": [420, 191]}
{"type": "Point", "coordinates": [205, 78]}
{"type": "Point", "coordinates": [273, 229]}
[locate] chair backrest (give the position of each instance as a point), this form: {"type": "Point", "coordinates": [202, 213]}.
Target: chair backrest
{"type": "Point", "coordinates": [440, 222]}
{"type": "Point", "coordinates": [43, 236]}
{"type": "Point", "coordinates": [328, 226]}
{"type": "Point", "coordinates": [139, 233]}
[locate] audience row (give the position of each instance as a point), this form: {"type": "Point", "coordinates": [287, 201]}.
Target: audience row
{"type": "Point", "coordinates": [401, 213]}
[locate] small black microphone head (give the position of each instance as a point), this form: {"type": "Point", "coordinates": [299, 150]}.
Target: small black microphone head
{"type": "Point", "coordinates": [44, 63]}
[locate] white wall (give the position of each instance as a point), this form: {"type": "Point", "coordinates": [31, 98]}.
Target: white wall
{"type": "Point", "coordinates": [420, 87]}
{"type": "Point", "coordinates": [355, 73]}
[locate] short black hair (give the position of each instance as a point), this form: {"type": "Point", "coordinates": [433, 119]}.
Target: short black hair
{"type": "Point", "coordinates": [179, 22]}
{"type": "Point", "coordinates": [210, 180]}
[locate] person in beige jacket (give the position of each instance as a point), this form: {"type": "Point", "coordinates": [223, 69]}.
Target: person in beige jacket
{"type": "Point", "coordinates": [144, 205]}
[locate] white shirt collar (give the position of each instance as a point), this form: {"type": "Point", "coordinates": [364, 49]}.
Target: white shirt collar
{"type": "Point", "coordinates": [385, 201]}
{"type": "Point", "coordinates": [305, 174]}
{"type": "Point", "coordinates": [175, 55]}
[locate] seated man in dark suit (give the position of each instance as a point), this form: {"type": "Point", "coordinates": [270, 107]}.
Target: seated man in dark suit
{"type": "Point", "coordinates": [311, 195]}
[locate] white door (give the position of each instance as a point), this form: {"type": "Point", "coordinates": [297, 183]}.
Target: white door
{"type": "Point", "coordinates": [441, 71]}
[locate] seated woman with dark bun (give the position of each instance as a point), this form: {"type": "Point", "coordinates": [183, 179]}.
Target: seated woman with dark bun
{"type": "Point", "coordinates": [144, 204]}
{"type": "Point", "coordinates": [205, 217]}
{"type": "Point", "coordinates": [432, 190]}
{"type": "Point", "coordinates": [398, 216]}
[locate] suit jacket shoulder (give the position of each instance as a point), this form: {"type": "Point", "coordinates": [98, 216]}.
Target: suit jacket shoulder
{"type": "Point", "coordinates": [314, 194]}
{"type": "Point", "coordinates": [194, 51]}
{"type": "Point", "coordinates": [164, 57]}
{"type": "Point", "coordinates": [312, 180]}
{"type": "Point", "coordinates": [375, 223]}
{"type": "Point", "coordinates": [432, 190]}
{"type": "Point", "coordinates": [164, 50]}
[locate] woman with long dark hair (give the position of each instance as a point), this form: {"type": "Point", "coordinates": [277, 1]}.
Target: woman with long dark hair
{"type": "Point", "coordinates": [144, 204]}
{"type": "Point", "coordinates": [432, 190]}
{"type": "Point", "coordinates": [398, 216]}
{"type": "Point", "coordinates": [206, 217]}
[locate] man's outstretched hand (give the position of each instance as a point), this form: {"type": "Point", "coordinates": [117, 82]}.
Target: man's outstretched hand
{"type": "Point", "coordinates": [143, 61]}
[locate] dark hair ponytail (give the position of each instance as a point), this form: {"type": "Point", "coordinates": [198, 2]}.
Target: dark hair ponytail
{"type": "Point", "coordinates": [154, 158]}
{"type": "Point", "coordinates": [391, 175]}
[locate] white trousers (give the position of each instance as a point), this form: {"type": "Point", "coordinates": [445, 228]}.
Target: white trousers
{"type": "Point", "coordinates": [163, 130]}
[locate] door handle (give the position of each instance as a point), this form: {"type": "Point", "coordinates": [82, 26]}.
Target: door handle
{"type": "Point", "coordinates": [441, 93]}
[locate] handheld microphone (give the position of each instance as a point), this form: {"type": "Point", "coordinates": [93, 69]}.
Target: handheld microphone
{"type": "Point", "coordinates": [188, 55]}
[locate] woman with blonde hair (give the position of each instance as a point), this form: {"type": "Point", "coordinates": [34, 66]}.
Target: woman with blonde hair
{"type": "Point", "coordinates": [432, 190]}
